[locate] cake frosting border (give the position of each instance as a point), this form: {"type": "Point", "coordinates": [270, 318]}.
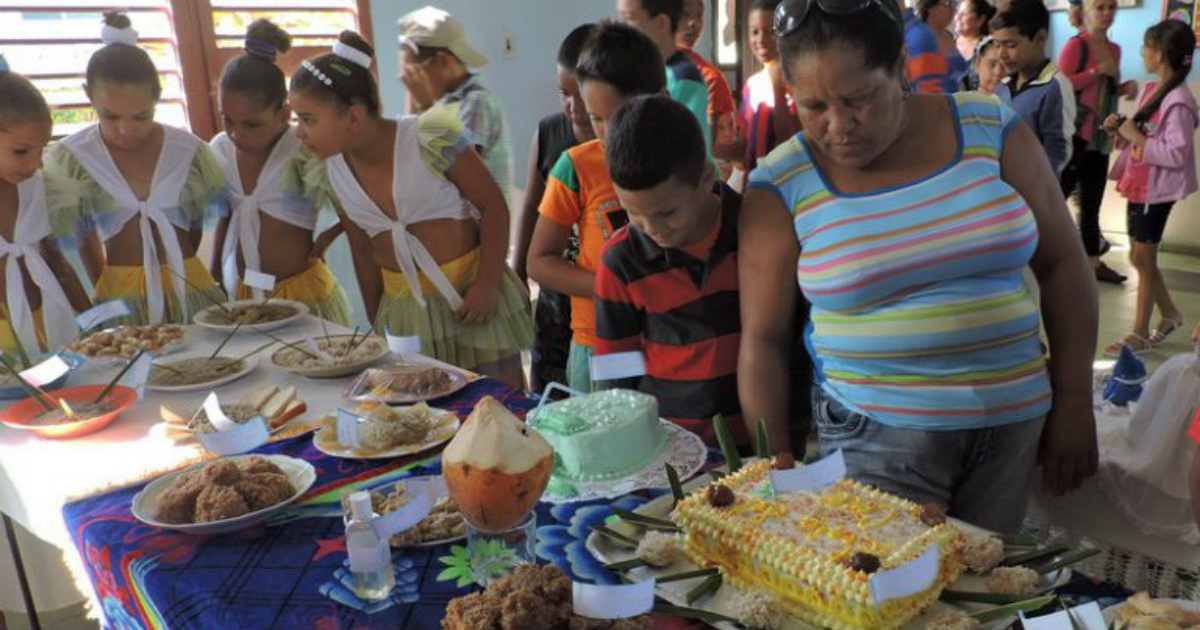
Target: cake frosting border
{"type": "Point", "coordinates": [806, 583]}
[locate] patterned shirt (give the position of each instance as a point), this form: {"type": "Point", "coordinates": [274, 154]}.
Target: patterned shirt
{"type": "Point", "coordinates": [580, 193]}
{"type": "Point", "coordinates": [921, 315]}
{"type": "Point", "coordinates": [483, 117]}
{"type": "Point", "coordinates": [682, 313]}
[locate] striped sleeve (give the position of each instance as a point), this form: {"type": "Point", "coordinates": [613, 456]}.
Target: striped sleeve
{"type": "Point", "coordinates": [619, 320]}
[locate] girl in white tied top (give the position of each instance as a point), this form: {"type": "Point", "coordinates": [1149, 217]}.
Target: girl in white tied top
{"type": "Point", "coordinates": [146, 188]}
{"type": "Point", "coordinates": [40, 290]}
{"type": "Point", "coordinates": [406, 191]}
{"type": "Point", "coordinates": [270, 228]}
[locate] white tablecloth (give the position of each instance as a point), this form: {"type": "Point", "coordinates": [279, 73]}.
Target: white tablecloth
{"type": "Point", "coordinates": [38, 476]}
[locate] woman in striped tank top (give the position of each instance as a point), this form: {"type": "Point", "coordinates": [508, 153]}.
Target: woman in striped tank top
{"type": "Point", "coordinates": [908, 222]}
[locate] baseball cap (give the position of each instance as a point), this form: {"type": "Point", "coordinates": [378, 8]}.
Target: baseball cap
{"type": "Point", "coordinates": [432, 27]}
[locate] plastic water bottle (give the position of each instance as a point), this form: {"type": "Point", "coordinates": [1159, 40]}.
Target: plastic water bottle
{"type": "Point", "coordinates": [370, 557]}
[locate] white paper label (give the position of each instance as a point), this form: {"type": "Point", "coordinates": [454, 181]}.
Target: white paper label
{"type": "Point", "coordinates": [368, 554]}
{"type": "Point", "coordinates": [216, 416]}
{"type": "Point", "coordinates": [47, 371]}
{"type": "Point", "coordinates": [420, 504]}
{"type": "Point", "coordinates": [403, 345]}
{"type": "Point", "coordinates": [608, 367]}
{"type": "Point", "coordinates": [907, 579]}
{"type": "Point", "coordinates": [316, 348]}
{"type": "Point", "coordinates": [814, 476]}
{"type": "Point", "coordinates": [259, 280]}
{"type": "Point", "coordinates": [1086, 617]}
{"type": "Point", "coordinates": [101, 313]}
{"type": "Point", "coordinates": [613, 601]}
{"type": "Point", "coordinates": [347, 429]}
{"type": "Point", "coordinates": [138, 374]}
{"type": "Point", "coordinates": [240, 439]}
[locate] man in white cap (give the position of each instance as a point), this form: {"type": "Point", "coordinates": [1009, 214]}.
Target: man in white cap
{"type": "Point", "coordinates": [435, 63]}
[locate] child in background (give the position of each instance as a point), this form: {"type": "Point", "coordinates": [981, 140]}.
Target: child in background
{"type": "Point", "coordinates": [659, 20]}
{"type": "Point", "coordinates": [667, 286]}
{"type": "Point", "coordinates": [436, 60]}
{"type": "Point", "coordinates": [554, 135]}
{"type": "Point", "coordinates": [407, 191]}
{"type": "Point", "coordinates": [1041, 94]}
{"type": "Point", "coordinates": [146, 188]}
{"type": "Point", "coordinates": [41, 291]}
{"type": "Point", "coordinates": [768, 112]}
{"type": "Point", "coordinates": [721, 108]}
{"type": "Point", "coordinates": [618, 62]}
{"type": "Point", "coordinates": [1157, 168]}
{"type": "Point", "coordinates": [989, 70]}
{"type": "Point", "coordinates": [270, 228]}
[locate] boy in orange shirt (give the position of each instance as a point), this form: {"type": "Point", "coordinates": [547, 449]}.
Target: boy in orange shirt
{"type": "Point", "coordinates": [617, 64]}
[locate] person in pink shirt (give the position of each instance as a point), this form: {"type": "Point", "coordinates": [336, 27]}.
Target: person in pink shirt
{"type": "Point", "coordinates": [1093, 65]}
{"type": "Point", "coordinates": [1157, 168]}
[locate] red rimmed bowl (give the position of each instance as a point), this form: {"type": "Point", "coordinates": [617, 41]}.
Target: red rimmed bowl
{"type": "Point", "coordinates": [20, 415]}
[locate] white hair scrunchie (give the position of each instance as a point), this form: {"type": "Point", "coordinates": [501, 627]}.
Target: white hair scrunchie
{"type": "Point", "coordinates": [110, 35]}
{"type": "Point", "coordinates": [352, 54]}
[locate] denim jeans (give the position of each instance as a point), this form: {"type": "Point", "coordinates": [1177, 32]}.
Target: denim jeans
{"type": "Point", "coordinates": [983, 475]}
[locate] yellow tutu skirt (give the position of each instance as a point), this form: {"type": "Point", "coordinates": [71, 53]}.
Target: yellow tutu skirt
{"type": "Point", "coordinates": [129, 283]}
{"type": "Point", "coordinates": [8, 342]}
{"type": "Point", "coordinates": [443, 335]}
{"type": "Point", "coordinates": [316, 287]}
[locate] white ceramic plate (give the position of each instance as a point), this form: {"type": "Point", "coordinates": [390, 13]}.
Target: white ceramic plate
{"type": "Point", "coordinates": [145, 503]}
{"type": "Point", "coordinates": [114, 359]}
{"type": "Point", "coordinates": [248, 365]}
{"type": "Point", "coordinates": [283, 357]}
{"type": "Point", "coordinates": [325, 439]}
{"type": "Point", "coordinates": [204, 318]}
{"type": "Point", "coordinates": [1110, 613]}
{"type": "Point", "coordinates": [360, 390]}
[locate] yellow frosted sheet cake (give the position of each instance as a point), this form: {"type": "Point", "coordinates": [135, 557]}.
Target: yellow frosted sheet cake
{"type": "Point", "coordinates": [815, 551]}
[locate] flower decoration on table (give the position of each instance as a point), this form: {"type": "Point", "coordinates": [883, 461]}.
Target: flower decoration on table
{"type": "Point", "coordinates": [563, 541]}
{"type": "Point", "coordinates": [340, 588]}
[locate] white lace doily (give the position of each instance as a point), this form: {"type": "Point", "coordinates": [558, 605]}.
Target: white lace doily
{"type": "Point", "coordinates": [685, 452]}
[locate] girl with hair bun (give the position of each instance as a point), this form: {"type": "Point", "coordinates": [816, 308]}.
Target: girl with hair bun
{"type": "Point", "coordinates": [427, 224]}
{"type": "Point", "coordinates": [40, 290]}
{"type": "Point", "coordinates": [146, 188]}
{"type": "Point", "coordinates": [272, 220]}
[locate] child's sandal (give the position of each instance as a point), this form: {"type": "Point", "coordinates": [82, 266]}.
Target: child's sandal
{"type": "Point", "coordinates": [1135, 342]}
{"type": "Point", "coordinates": [1164, 330]}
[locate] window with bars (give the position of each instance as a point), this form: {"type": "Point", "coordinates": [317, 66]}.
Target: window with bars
{"type": "Point", "coordinates": [50, 42]}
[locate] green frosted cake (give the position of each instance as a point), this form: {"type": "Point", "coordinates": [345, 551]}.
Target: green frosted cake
{"type": "Point", "coordinates": [601, 436]}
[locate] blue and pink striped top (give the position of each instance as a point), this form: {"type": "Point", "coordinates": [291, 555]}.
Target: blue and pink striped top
{"type": "Point", "coordinates": [921, 315]}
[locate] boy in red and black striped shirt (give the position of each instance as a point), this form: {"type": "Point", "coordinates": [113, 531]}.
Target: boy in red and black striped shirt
{"type": "Point", "coordinates": [667, 285]}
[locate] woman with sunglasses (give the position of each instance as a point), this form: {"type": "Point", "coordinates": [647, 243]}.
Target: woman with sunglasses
{"type": "Point", "coordinates": [934, 63]}
{"type": "Point", "coordinates": [908, 222]}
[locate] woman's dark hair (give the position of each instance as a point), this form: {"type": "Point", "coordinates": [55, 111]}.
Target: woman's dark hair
{"type": "Point", "coordinates": [254, 72]}
{"type": "Point", "coordinates": [349, 82]}
{"type": "Point", "coordinates": [764, 5]}
{"type": "Point", "coordinates": [1176, 42]}
{"type": "Point", "coordinates": [985, 11]}
{"type": "Point", "coordinates": [624, 58]}
{"type": "Point", "coordinates": [651, 139]}
{"type": "Point", "coordinates": [673, 9]}
{"type": "Point", "coordinates": [1029, 17]}
{"type": "Point", "coordinates": [925, 6]}
{"type": "Point", "coordinates": [121, 63]}
{"type": "Point", "coordinates": [20, 101]}
{"type": "Point", "coordinates": [874, 32]}
{"type": "Point", "coordinates": [572, 46]}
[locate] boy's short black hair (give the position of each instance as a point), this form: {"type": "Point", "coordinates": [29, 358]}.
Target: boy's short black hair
{"type": "Point", "coordinates": [764, 5]}
{"type": "Point", "coordinates": [1027, 16]}
{"type": "Point", "coordinates": [624, 58]}
{"type": "Point", "coordinates": [572, 46]}
{"type": "Point", "coordinates": [673, 9]}
{"type": "Point", "coordinates": [653, 138]}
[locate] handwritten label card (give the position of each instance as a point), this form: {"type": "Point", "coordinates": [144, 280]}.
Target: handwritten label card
{"type": "Point", "coordinates": [101, 313]}
{"type": "Point", "coordinates": [608, 601]}
{"type": "Point", "coordinates": [811, 477]}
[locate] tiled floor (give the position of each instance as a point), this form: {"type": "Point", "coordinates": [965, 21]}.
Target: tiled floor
{"type": "Point", "coordinates": [1182, 273]}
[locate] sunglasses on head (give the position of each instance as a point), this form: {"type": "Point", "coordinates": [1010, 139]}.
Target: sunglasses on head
{"type": "Point", "coordinates": [790, 14]}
